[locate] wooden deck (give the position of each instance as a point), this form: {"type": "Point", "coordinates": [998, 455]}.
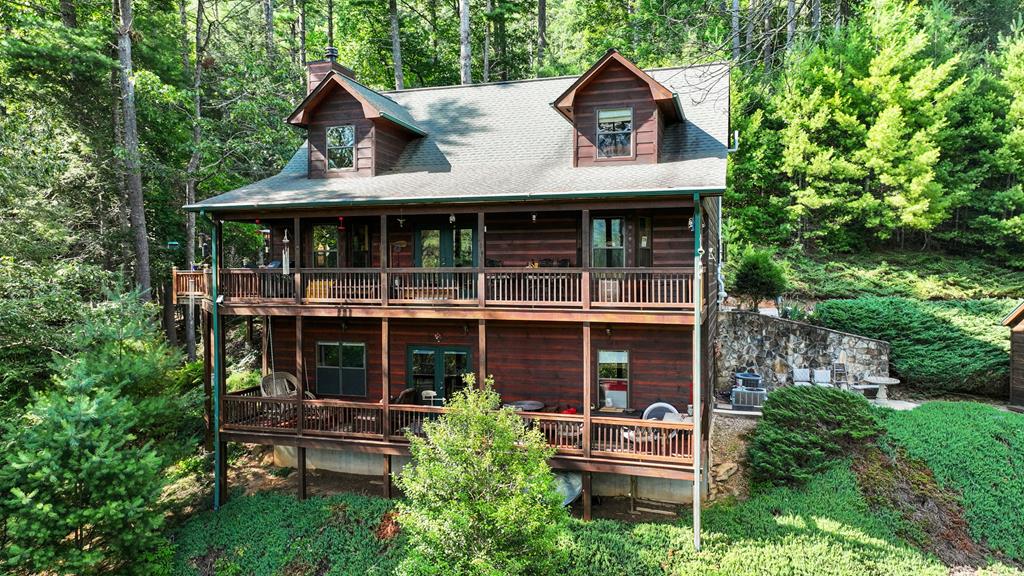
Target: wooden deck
{"type": "Point", "coordinates": [606, 440]}
{"type": "Point", "coordinates": [656, 289]}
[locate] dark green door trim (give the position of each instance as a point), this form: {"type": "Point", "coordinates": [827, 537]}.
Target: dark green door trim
{"type": "Point", "coordinates": [438, 352]}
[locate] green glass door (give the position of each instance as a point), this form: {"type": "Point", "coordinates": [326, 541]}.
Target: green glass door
{"type": "Point", "coordinates": [445, 246]}
{"type": "Point", "coordinates": [437, 368]}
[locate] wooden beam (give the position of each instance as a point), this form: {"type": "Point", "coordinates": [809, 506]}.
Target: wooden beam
{"type": "Point", "coordinates": [587, 494]}
{"type": "Point", "coordinates": [482, 353]}
{"type": "Point", "coordinates": [385, 256]}
{"type": "Point", "coordinates": [264, 347]}
{"type": "Point", "coordinates": [587, 392]}
{"type": "Point", "coordinates": [387, 476]}
{"type": "Point", "coordinates": [481, 283]}
{"type": "Point", "coordinates": [586, 251]}
{"type": "Point", "coordinates": [222, 472]}
{"type": "Point", "coordinates": [603, 316]}
{"type": "Point", "coordinates": [683, 200]}
{"type": "Point", "coordinates": [297, 265]}
{"type": "Point", "coordinates": [385, 371]}
{"type": "Point", "coordinates": [300, 367]}
{"type": "Point", "coordinates": [208, 380]}
{"type": "Point", "coordinates": [301, 457]}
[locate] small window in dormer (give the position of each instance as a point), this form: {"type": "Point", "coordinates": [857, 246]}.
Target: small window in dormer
{"type": "Point", "coordinates": [341, 147]}
{"type": "Point", "coordinates": [615, 133]}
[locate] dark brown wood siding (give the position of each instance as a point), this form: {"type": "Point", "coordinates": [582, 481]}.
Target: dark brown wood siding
{"type": "Point", "coordinates": [389, 141]}
{"type": "Point", "coordinates": [338, 108]}
{"type": "Point", "coordinates": [537, 362]}
{"type": "Point", "coordinates": [282, 341]}
{"type": "Point", "coordinates": [616, 87]}
{"type": "Point", "coordinates": [673, 241]}
{"type": "Point", "coordinates": [516, 240]}
{"type": "Point", "coordinates": [660, 362]}
{"type": "Point", "coordinates": [1017, 366]}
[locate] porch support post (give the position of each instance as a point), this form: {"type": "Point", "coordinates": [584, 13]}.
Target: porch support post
{"type": "Point", "coordinates": [482, 345]}
{"type": "Point", "coordinates": [300, 367]}
{"type": "Point", "coordinates": [387, 476]}
{"type": "Point", "coordinates": [297, 265]}
{"type": "Point", "coordinates": [385, 385]}
{"type": "Point", "coordinates": [585, 256]}
{"type": "Point", "coordinates": [217, 370]}
{"type": "Point", "coordinates": [301, 456]}
{"type": "Point", "coordinates": [698, 403]}
{"type": "Point", "coordinates": [385, 253]}
{"type": "Point", "coordinates": [264, 346]}
{"type": "Point", "coordinates": [587, 494]}
{"type": "Point", "coordinates": [208, 381]}
{"type": "Point", "coordinates": [480, 279]}
{"type": "Point", "coordinates": [587, 392]}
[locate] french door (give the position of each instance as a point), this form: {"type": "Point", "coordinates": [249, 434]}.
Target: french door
{"type": "Point", "coordinates": [445, 246]}
{"type": "Point", "coordinates": [438, 368]}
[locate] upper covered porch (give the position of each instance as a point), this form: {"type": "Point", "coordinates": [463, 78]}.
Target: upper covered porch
{"type": "Point", "coordinates": [625, 255]}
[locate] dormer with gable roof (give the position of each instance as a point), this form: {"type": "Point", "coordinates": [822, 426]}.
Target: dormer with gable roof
{"type": "Point", "coordinates": [618, 112]}
{"type": "Point", "coordinates": [352, 130]}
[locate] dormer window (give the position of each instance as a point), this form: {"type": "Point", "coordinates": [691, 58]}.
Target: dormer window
{"type": "Point", "coordinates": [615, 133]}
{"type": "Point", "coordinates": [341, 147]}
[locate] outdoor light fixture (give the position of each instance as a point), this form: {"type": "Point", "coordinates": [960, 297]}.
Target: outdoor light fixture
{"type": "Point", "coordinates": [267, 234]}
{"type": "Point", "coordinates": [341, 223]}
{"type": "Point", "coordinates": [689, 224]}
{"type": "Point", "coordinates": [451, 218]}
{"type": "Point", "coordinates": [533, 217]}
{"type": "Point", "coordinates": [401, 222]}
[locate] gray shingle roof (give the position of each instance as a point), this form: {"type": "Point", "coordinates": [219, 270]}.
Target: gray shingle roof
{"type": "Point", "coordinates": [503, 141]}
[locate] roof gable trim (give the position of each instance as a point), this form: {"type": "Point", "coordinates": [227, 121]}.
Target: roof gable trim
{"type": "Point", "coordinates": [664, 97]}
{"type": "Point", "coordinates": [1014, 317]}
{"type": "Point", "coordinates": [300, 116]}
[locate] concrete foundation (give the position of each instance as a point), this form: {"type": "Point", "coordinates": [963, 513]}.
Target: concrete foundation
{"type": "Point", "coordinates": [655, 489]}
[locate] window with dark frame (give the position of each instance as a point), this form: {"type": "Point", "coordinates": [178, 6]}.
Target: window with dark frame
{"type": "Point", "coordinates": [613, 378]}
{"type": "Point", "coordinates": [359, 246]}
{"type": "Point", "coordinates": [608, 243]}
{"type": "Point", "coordinates": [341, 147]}
{"type": "Point", "coordinates": [615, 133]}
{"type": "Point", "coordinates": [341, 368]}
{"type": "Point", "coordinates": [325, 246]}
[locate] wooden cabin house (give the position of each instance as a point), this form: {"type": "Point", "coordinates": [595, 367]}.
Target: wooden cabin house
{"type": "Point", "coordinates": [558, 234]}
{"type": "Point", "coordinates": [1015, 321]}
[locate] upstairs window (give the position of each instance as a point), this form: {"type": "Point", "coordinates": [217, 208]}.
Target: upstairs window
{"type": "Point", "coordinates": [341, 147]}
{"type": "Point", "coordinates": [615, 133]}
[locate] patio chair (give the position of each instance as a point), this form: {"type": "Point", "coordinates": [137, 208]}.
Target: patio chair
{"type": "Point", "coordinates": [407, 396]}
{"type": "Point", "coordinates": [281, 385]}
{"type": "Point", "coordinates": [823, 378]}
{"type": "Point", "coordinates": [431, 398]}
{"type": "Point", "coordinates": [801, 377]}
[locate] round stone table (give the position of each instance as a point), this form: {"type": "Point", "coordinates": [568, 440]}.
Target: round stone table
{"type": "Point", "coordinates": [882, 382]}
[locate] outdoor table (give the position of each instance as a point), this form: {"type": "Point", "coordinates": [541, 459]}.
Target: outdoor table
{"type": "Point", "coordinates": [882, 382]}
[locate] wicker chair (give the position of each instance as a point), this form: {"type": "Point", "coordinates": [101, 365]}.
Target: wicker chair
{"type": "Point", "coordinates": [281, 385]}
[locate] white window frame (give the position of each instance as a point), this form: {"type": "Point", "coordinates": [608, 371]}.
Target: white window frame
{"type": "Point", "coordinates": [628, 379]}
{"type": "Point", "coordinates": [328, 148]}
{"type": "Point", "coordinates": [598, 132]}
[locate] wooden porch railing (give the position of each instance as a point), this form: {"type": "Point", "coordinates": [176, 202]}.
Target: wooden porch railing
{"type": "Point", "coordinates": [256, 285]}
{"type": "Point", "coordinates": [648, 288]}
{"type": "Point", "coordinates": [432, 285]}
{"type": "Point", "coordinates": [642, 287]}
{"type": "Point", "coordinates": [358, 285]}
{"type": "Point", "coordinates": [611, 438]}
{"type": "Point", "coordinates": [535, 286]}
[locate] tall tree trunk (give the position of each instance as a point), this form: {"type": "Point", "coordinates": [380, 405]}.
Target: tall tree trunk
{"type": "Point", "coordinates": [302, 33]}
{"type": "Point", "coordinates": [487, 41]}
{"type": "Point", "coordinates": [735, 31]}
{"type": "Point", "coordinates": [192, 172]}
{"type": "Point", "coordinates": [432, 8]}
{"type": "Point", "coordinates": [839, 14]}
{"type": "Point", "coordinates": [769, 36]}
{"type": "Point", "coordinates": [396, 45]}
{"type": "Point", "coordinates": [268, 26]}
{"type": "Point", "coordinates": [68, 15]}
{"type": "Point", "coordinates": [465, 56]}
{"type": "Point", "coordinates": [132, 161]}
{"type": "Point", "coordinates": [752, 18]}
{"type": "Point", "coordinates": [167, 304]}
{"type": "Point", "coordinates": [790, 22]}
{"type": "Point", "coordinates": [501, 36]}
{"type": "Point", "coordinates": [293, 33]}
{"type": "Point", "coordinates": [330, 22]}
{"type": "Point", "coordinates": [816, 19]}
{"type": "Point", "coordinates": [542, 31]}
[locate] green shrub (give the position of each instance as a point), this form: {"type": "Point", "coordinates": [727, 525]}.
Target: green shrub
{"type": "Point", "coordinates": [77, 490]}
{"type": "Point", "coordinates": [919, 275]}
{"type": "Point", "coordinates": [189, 376]}
{"type": "Point", "coordinates": [957, 346]}
{"type": "Point", "coordinates": [804, 429]}
{"type": "Point", "coordinates": [481, 498]}
{"type": "Point", "coordinates": [977, 450]}
{"type": "Point", "coordinates": [242, 380]}
{"type": "Point", "coordinates": [757, 276]}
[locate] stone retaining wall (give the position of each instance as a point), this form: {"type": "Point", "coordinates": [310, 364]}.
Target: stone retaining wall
{"type": "Point", "coordinates": [773, 347]}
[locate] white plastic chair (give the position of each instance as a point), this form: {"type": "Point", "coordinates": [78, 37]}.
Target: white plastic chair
{"type": "Point", "coordinates": [801, 377]}
{"type": "Point", "coordinates": [823, 378]}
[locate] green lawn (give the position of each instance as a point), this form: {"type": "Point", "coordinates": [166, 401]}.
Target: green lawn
{"type": "Point", "coordinates": [823, 529]}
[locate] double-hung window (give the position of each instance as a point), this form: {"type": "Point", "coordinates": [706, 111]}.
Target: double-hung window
{"type": "Point", "coordinates": [341, 147]}
{"type": "Point", "coordinates": [341, 368]}
{"type": "Point", "coordinates": [615, 133]}
{"type": "Point", "coordinates": [613, 378]}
